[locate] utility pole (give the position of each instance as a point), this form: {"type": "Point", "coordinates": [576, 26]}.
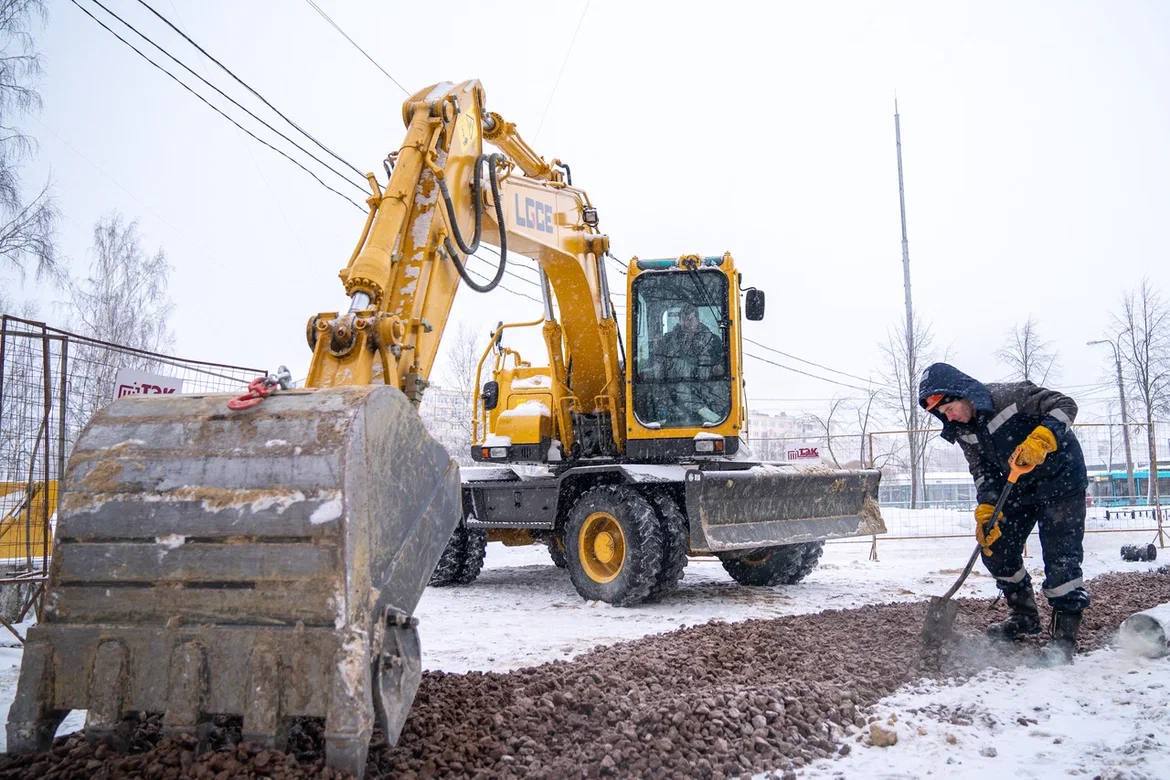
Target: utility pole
{"type": "Point", "coordinates": [1124, 418]}
{"type": "Point", "coordinates": [911, 355]}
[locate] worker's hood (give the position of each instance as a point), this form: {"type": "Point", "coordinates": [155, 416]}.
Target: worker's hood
{"type": "Point", "coordinates": [948, 380]}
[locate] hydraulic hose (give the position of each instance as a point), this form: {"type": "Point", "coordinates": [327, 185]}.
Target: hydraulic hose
{"type": "Point", "coordinates": [468, 249]}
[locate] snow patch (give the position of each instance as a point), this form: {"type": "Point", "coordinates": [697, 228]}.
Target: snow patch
{"type": "Point", "coordinates": [276, 443]}
{"type": "Point", "coordinates": [126, 443]}
{"type": "Point", "coordinates": [280, 501]}
{"type": "Point", "coordinates": [527, 408]}
{"type": "Point", "coordinates": [327, 512]}
{"type": "Point", "coordinates": [496, 440]}
{"type": "Point", "coordinates": [531, 382]}
{"type": "Point", "coordinates": [171, 541]}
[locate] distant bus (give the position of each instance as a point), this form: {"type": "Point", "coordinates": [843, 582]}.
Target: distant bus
{"type": "Point", "coordinates": [943, 489]}
{"type": "Point", "coordinates": [1110, 488]}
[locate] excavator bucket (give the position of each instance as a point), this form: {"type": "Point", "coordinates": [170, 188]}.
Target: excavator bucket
{"type": "Point", "coordinates": [774, 504]}
{"type": "Point", "coordinates": [261, 563]}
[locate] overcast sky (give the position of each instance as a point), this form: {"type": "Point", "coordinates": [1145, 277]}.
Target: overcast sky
{"type": "Point", "coordinates": [1035, 138]}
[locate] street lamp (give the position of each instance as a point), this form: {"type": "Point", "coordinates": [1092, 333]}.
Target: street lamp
{"type": "Point", "coordinates": [1124, 415]}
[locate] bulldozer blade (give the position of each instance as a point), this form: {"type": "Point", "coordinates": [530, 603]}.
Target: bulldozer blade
{"type": "Point", "coordinates": [262, 563]}
{"type": "Point", "coordinates": [772, 504]}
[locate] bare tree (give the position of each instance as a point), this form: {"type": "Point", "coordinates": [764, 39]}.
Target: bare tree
{"type": "Point", "coordinates": [905, 359]}
{"type": "Point", "coordinates": [463, 353]}
{"type": "Point", "coordinates": [826, 424]}
{"type": "Point", "coordinates": [124, 301]}
{"type": "Point", "coordinates": [864, 411]}
{"type": "Point", "coordinates": [26, 225]}
{"type": "Point", "coordinates": [1027, 356]}
{"type": "Point", "coordinates": [1144, 329]}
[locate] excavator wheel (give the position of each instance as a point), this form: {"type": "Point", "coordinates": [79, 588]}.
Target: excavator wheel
{"type": "Point", "coordinates": [675, 542]}
{"type": "Point", "coordinates": [783, 565]}
{"type": "Point", "coordinates": [262, 563]}
{"type": "Point", "coordinates": [462, 558]}
{"type": "Point", "coordinates": [556, 551]}
{"type": "Point", "coordinates": [613, 542]}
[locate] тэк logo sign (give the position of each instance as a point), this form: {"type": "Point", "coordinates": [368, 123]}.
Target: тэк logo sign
{"type": "Point", "coordinates": [143, 388]}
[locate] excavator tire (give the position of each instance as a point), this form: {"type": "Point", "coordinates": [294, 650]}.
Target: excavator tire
{"type": "Point", "coordinates": [783, 565]}
{"type": "Point", "coordinates": [613, 545]}
{"type": "Point", "coordinates": [675, 542]}
{"type": "Point", "coordinates": [556, 551]}
{"type": "Point", "coordinates": [261, 563]}
{"type": "Point", "coordinates": [462, 558]}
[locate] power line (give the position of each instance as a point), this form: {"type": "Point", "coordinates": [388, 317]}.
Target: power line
{"type": "Point", "coordinates": [373, 62]}
{"type": "Point", "coordinates": [249, 87]}
{"type": "Point", "coordinates": [809, 362]}
{"type": "Point", "coordinates": [484, 278]}
{"type": "Point", "coordinates": [229, 98]}
{"type": "Point", "coordinates": [805, 373]}
{"type": "Point", "coordinates": [512, 263]}
{"type": "Point", "coordinates": [561, 72]}
{"type": "Point", "coordinates": [215, 108]}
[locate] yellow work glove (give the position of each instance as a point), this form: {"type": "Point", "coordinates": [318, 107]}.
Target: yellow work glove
{"type": "Point", "coordinates": [1034, 449]}
{"type": "Point", "coordinates": [983, 514]}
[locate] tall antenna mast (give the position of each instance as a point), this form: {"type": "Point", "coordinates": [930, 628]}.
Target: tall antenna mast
{"type": "Point", "coordinates": [914, 439]}
{"type": "Point", "coordinates": [905, 254]}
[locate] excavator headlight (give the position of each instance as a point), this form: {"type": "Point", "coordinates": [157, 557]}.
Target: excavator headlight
{"type": "Point", "coordinates": [497, 452]}
{"type": "Point", "coordinates": [709, 445]}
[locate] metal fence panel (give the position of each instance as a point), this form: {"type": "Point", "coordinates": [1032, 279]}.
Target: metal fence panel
{"type": "Point", "coordinates": [51, 383]}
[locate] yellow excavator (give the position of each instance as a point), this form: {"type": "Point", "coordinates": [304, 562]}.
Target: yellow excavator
{"type": "Point", "coordinates": [262, 556]}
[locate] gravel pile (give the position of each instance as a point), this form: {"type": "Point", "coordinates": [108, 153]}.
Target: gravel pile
{"type": "Point", "coordinates": [714, 700]}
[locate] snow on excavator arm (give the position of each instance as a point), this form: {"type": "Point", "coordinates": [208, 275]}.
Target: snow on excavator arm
{"type": "Point", "coordinates": [405, 271]}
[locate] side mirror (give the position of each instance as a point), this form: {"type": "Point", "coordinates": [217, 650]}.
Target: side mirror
{"type": "Point", "coordinates": [754, 304]}
{"type": "Point", "coordinates": [490, 395]}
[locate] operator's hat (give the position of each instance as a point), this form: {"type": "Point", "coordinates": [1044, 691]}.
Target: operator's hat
{"type": "Point", "coordinates": [937, 399]}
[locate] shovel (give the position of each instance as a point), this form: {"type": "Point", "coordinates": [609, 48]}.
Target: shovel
{"type": "Point", "coordinates": [940, 615]}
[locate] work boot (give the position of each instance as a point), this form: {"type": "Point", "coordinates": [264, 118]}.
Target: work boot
{"type": "Point", "coordinates": [1063, 645]}
{"type": "Point", "coordinates": [1023, 620]}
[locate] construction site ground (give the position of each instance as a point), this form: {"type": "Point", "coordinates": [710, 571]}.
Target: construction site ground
{"type": "Point", "coordinates": [819, 679]}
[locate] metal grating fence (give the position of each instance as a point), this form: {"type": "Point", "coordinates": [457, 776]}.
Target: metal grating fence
{"type": "Point", "coordinates": [1121, 497]}
{"type": "Point", "coordinates": [51, 382]}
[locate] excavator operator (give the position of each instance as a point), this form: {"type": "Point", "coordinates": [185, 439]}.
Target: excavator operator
{"type": "Point", "coordinates": [689, 355]}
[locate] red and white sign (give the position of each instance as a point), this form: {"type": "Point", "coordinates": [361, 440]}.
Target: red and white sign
{"type": "Point", "coordinates": [803, 454]}
{"type": "Point", "coordinates": [130, 381]}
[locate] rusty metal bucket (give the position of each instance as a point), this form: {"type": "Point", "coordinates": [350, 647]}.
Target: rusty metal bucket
{"type": "Point", "coordinates": [262, 563]}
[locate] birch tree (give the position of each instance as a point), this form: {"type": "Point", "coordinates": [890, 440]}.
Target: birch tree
{"type": "Point", "coordinates": [26, 223]}
{"type": "Point", "coordinates": [905, 359]}
{"type": "Point", "coordinates": [1144, 328]}
{"type": "Point", "coordinates": [1028, 357]}
{"type": "Point", "coordinates": [123, 301]}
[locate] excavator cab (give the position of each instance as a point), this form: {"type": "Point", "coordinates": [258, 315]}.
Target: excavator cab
{"type": "Point", "coordinates": [682, 377]}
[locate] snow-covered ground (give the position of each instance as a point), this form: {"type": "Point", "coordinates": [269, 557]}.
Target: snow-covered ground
{"type": "Point", "coordinates": [523, 611]}
{"type": "Point", "coordinates": [1108, 716]}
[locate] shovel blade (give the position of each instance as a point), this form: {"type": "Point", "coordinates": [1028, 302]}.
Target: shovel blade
{"type": "Point", "coordinates": [940, 621]}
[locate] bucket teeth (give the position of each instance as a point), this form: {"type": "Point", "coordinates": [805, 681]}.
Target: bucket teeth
{"type": "Point", "coordinates": [187, 689]}
{"type": "Point", "coordinates": [262, 719]}
{"type": "Point", "coordinates": [107, 691]}
{"type": "Point", "coordinates": [32, 719]}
